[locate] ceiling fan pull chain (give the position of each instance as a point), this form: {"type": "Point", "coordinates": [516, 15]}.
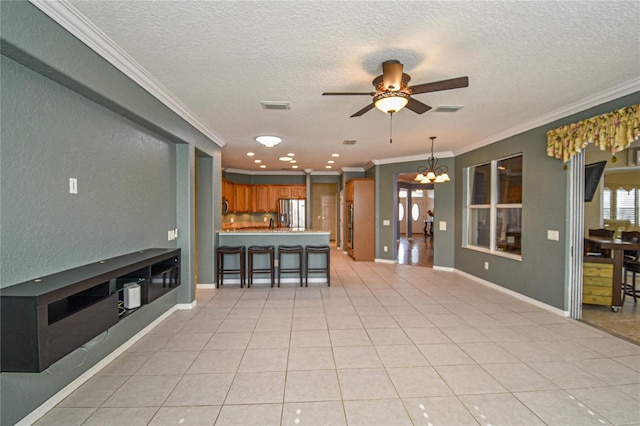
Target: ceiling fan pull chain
{"type": "Point", "coordinates": [391, 128]}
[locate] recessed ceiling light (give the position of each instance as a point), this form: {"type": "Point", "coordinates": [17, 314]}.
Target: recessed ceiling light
{"type": "Point", "coordinates": [257, 161]}
{"type": "Point", "coordinates": [294, 167]}
{"type": "Point", "coordinates": [335, 155]}
{"type": "Point", "coordinates": [327, 167]}
{"type": "Point", "coordinates": [250, 154]}
{"type": "Point", "coordinates": [262, 166]}
{"type": "Point", "coordinates": [269, 141]}
{"type": "Point", "coordinates": [291, 154]}
{"type": "Point", "coordinates": [285, 158]}
{"type": "Point", "coordinates": [293, 161]}
{"type": "Point", "coordinates": [330, 161]}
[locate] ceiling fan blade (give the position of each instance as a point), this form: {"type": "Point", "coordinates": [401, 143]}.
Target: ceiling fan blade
{"type": "Point", "coordinates": [347, 93]}
{"type": "Point", "coordinates": [392, 74]}
{"type": "Point", "coordinates": [417, 106]}
{"type": "Point", "coordinates": [436, 86]}
{"type": "Point", "coordinates": [363, 110]}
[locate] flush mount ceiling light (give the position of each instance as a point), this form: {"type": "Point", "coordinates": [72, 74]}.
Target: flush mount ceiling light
{"type": "Point", "coordinates": [250, 154]}
{"type": "Point", "coordinates": [285, 158]}
{"type": "Point", "coordinates": [432, 172]}
{"type": "Point", "coordinates": [269, 141]}
{"type": "Point", "coordinates": [262, 166]}
{"type": "Point", "coordinates": [335, 155]}
{"type": "Point", "coordinates": [291, 154]}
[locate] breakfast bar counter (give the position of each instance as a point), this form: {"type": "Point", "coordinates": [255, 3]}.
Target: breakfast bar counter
{"type": "Point", "coordinates": [273, 236]}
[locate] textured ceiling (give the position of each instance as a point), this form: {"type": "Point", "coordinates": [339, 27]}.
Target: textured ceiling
{"type": "Point", "coordinates": [524, 60]}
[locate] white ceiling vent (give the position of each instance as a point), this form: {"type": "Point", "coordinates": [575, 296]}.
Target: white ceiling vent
{"type": "Point", "coordinates": [275, 105]}
{"type": "Point", "coordinates": [349, 142]}
{"type": "Point", "coordinates": [449, 108]}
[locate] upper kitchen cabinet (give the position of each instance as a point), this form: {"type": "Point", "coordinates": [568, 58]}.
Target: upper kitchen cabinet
{"type": "Point", "coordinates": [244, 198]}
{"type": "Point", "coordinates": [229, 193]}
{"type": "Point", "coordinates": [298, 191]}
{"type": "Point", "coordinates": [261, 202]}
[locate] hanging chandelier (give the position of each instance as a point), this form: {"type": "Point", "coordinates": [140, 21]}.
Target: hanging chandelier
{"type": "Point", "coordinates": [432, 172]}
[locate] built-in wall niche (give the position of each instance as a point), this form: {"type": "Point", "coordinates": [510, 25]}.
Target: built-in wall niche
{"type": "Point", "coordinates": [43, 320]}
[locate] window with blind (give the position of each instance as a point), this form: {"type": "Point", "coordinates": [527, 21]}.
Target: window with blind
{"type": "Point", "coordinates": [620, 204]}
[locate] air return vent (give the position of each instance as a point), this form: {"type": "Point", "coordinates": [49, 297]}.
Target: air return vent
{"type": "Point", "coordinates": [449, 108]}
{"type": "Point", "coordinates": [349, 142]}
{"type": "Point", "coordinates": [275, 105]}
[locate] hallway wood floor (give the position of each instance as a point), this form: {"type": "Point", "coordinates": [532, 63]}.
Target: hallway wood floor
{"type": "Point", "coordinates": [415, 251]}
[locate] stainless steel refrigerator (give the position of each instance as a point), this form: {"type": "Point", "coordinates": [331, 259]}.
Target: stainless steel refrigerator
{"type": "Point", "coordinates": [292, 213]}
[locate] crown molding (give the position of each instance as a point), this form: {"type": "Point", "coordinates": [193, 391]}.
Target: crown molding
{"type": "Point", "coordinates": [265, 172]}
{"type": "Point", "coordinates": [72, 20]}
{"type": "Point", "coordinates": [616, 92]}
{"type": "Point", "coordinates": [352, 169]}
{"type": "Point", "coordinates": [420, 157]}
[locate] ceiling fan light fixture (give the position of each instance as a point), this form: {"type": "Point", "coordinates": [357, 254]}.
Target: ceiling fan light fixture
{"type": "Point", "coordinates": [391, 102]}
{"type": "Point", "coordinates": [268, 141]}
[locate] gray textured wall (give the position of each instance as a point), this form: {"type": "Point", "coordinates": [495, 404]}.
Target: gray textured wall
{"type": "Point", "coordinates": [126, 180]}
{"type": "Point", "coordinates": [541, 273]}
{"type": "Point", "coordinates": [67, 113]}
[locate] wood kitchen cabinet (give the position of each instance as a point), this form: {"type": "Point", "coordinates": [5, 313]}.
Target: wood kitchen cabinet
{"type": "Point", "coordinates": [361, 219]}
{"type": "Point", "coordinates": [275, 193]}
{"type": "Point", "coordinates": [244, 198]}
{"type": "Point", "coordinates": [298, 191]}
{"type": "Point", "coordinates": [261, 199]}
{"type": "Point", "coordinates": [229, 193]}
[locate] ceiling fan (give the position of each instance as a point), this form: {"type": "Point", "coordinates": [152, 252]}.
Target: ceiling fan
{"type": "Point", "coordinates": [394, 93]}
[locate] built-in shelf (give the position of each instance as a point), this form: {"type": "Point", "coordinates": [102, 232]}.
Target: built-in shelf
{"type": "Point", "coordinates": [45, 319]}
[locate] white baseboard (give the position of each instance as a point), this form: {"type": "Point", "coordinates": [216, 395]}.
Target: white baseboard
{"type": "Point", "coordinates": [443, 268]}
{"type": "Point", "coordinates": [68, 390]}
{"type": "Point", "coordinates": [186, 306]}
{"type": "Point", "coordinates": [515, 294]}
{"type": "Point", "coordinates": [205, 286]}
{"type": "Point", "coordinates": [385, 261]}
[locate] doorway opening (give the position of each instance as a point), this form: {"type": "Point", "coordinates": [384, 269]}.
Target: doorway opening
{"type": "Point", "coordinates": [414, 221]}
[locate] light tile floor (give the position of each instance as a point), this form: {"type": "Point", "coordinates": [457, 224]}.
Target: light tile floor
{"type": "Point", "coordinates": [386, 344]}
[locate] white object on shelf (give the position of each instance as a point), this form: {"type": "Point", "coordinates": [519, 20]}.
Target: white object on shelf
{"type": "Point", "coordinates": [131, 295]}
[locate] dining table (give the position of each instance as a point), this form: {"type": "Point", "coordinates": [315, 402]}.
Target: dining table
{"type": "Point", "coordinates": [617, 247]}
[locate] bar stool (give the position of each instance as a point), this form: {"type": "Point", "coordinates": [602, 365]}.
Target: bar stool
{"type": "Point", "coordinates": [220, 255]}
{"type": "Point", "coordinates": [632, 266]}
{"type": "Point", "coordinates": [318, 250]}
{"type": "Point", "coordinates": [256, 250]}
{"type": "Point", "coordinates": [284, 250]}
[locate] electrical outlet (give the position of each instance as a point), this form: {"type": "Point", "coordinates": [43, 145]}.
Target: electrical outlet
{"type": "Point", "coordinates": [386, 249]}
{"type": "Point", "coordinates": [169, 235]}
{"type": "Point", "coordinates": [553, 235]}
{"type": "Point", "coordinates": [231, 220]}
{"type": "Point", "coordinates": [486, 265]}
{"type": "Point", "coordinates": [386, 222]}
{"type": "Point", "coordinates": [264, 219]}
{"type": "Point", "coordinates": [442, 225]}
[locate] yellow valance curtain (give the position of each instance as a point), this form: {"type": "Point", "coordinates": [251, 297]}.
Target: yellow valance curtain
{"type": "Point", "coordinates": [611, 132]}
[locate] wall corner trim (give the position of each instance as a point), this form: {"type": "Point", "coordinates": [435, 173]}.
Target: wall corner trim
{"type": "Point", "coordinates": [515, 294]}
{"type": "Point", "coordinates": [36, 414]}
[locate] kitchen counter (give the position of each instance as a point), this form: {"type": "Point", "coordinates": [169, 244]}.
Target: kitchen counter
{"type": "Point", "coordinates": [277, 236]}
{"type": "Point", "coordinates": [280, 231]}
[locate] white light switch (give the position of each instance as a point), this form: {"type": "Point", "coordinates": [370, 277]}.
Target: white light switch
{"type": "Point", "coordinates": [386, 222]}
{"type": "Point", "coordinates": [442, 225]}
{"type": "Point", "coordinates": [553, 235]}
{"type": "Point", "coordinates": [73, 186]}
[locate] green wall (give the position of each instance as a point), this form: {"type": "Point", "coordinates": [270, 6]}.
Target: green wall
{"type": "Point", "coordinates": [66, 112]}
{"type": "Point", "coordinates": [541, 272]}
